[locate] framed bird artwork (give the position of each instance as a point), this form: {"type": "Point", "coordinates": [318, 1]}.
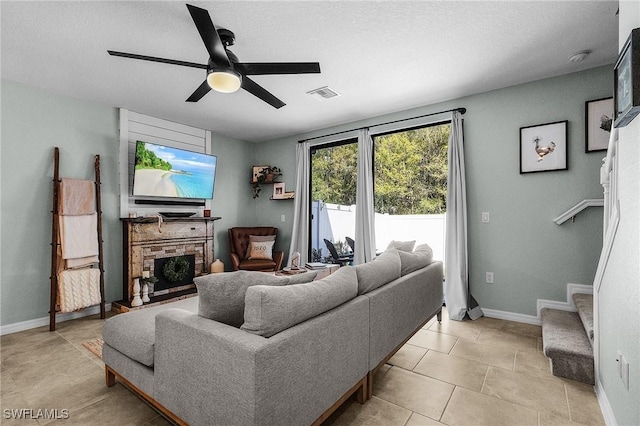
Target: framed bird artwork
{"type": "Point", "coordinates": [543, 147]}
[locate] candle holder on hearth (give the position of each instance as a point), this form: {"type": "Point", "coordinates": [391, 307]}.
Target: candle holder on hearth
{"type": "Point", "coordinates": [147, 283]}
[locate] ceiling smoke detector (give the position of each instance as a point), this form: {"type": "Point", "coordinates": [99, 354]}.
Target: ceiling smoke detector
{"type": "Point", "coordinates": [323, 93]}
{"type": "Point", "coordinates": [579, 56]}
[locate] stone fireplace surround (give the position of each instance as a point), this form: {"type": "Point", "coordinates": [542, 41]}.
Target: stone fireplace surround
{"type": "Point", "coordinates": [147, 239]}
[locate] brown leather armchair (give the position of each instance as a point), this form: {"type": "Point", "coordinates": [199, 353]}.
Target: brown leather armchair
{"type": "Point", "coordinates": [239, 242]}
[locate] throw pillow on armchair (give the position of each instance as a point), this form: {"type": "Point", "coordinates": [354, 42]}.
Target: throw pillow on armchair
{"type": "Point", "coordinates": [261, 247]}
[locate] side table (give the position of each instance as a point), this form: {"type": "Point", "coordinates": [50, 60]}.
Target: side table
{"type": "Point", "coordinates": [322, 273]}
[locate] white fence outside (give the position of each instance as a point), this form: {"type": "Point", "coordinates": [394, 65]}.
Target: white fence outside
{"type": "Point", "coordinates": [335, 222]}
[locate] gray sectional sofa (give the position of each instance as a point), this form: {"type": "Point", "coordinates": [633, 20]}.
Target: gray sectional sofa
{"type": "Point", "coordinates": [255, 349]}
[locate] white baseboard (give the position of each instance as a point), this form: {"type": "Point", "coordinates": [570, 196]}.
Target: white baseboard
{"type": "Point", "coordinates": [39, 322]}
{"type": "Point", "coordinates": [512, 316]}
{"type": "Point", "coordinates": [605, 407]}
{"type": "Point", "coordinates": [568, 305]}
{"type": "Point", "coordinates": [542, 303]}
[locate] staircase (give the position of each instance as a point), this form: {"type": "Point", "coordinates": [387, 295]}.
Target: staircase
{"type": "Point", "coordinates": [568, 340]}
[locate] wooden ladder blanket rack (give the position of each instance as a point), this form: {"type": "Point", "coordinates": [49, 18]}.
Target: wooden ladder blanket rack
{"type": "Point", "coordinates": [55, 240]}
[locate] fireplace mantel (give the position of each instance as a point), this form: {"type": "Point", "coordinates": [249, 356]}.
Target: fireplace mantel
{"type": "Point", "coordinates": [146, 239]}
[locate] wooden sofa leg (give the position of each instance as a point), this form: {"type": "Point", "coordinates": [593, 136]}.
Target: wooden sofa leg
{"type": "Point", "coordinates": [369, 394]}
{"type": "Point", "coordinates": [110, 376]}
{"type": "Point", "coordinates": [363, 391]}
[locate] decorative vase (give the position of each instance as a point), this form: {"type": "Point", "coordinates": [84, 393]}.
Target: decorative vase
{"type": "Point", "coordinates": [145, 293]}
{"type": "Point", "coordinates": [216, 267]}
{"type": "Point", "coordinates": [136, 301]}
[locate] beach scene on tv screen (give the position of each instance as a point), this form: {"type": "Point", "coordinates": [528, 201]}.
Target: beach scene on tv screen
{"type": "Point", "coordinates": [162, 171]}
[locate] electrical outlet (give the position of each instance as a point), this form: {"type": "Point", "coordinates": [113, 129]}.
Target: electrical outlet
{"type": "Point", "coordinates": [489, 277]}
{"type": "Point", "coordinates": [485, 217]}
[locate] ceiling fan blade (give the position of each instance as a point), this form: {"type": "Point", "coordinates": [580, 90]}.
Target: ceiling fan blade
{"type": "Point", "coordinates": [209, 36]}
{"type": "Point", "coordinates": [154, 59]}
{"type": "Point", "coordinates": [202, 90]}
{"type": "Point", "coordinates": [257, 90]}
{"type": "Point", "coordinates": [263, 68]}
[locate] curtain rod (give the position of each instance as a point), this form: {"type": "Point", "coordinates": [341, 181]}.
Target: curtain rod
{"type": "Point", "coordinates": [460, 110]}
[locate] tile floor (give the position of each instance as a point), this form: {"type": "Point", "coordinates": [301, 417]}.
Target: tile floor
{"type": "Point", "coordinates": [484, 372]}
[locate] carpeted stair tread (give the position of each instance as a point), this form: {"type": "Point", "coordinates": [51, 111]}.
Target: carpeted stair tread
{"type": "Point", "coordinates": [566, 343]}
{"type": "Point", "coordinates": [584, 304]}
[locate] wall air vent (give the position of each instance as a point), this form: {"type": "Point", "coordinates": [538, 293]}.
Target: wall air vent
{"type": "Point", "coordinates": [323, 93]}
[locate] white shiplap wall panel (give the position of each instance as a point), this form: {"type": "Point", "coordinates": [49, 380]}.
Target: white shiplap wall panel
{"type": "Point", "coordinates": [165, 136]}
{"type": "Point", "coordinates": [139, 127]}
{"type": "Point", "coordinates": [159, 123]}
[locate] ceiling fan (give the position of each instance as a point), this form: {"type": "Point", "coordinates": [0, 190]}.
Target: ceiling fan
{"type": "Point", "coordinates": [224, 72]}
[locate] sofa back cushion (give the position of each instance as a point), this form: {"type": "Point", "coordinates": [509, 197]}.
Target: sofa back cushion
{"type": "Point", "coordinates": [402, 245]}
{"type": "Point", "coordinates": [384, 269]}
{"type": "Point", "coordinates": [412, 261]}
{"type": "Point", "coordinates": [303, 277]}
{"type": "Point", "coordinates": [269, 310]}
{"type": "Point", "coordinates": [221, 296]}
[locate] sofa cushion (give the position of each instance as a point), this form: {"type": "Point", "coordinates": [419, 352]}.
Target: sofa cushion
{"type": "Point", "coordinates": [425, 249]}
{"type": "Point", "coordinates": [134, 333]}
{"type": "Point", "coordinates": [384, 269]}
{"type": "Point", "coordinates": [270, 310]}
{"type": "Point", "coordinates": [305, 277]}
{"type": "Point", "coordinates": [402, 245]}
{"type": "Point", "coordinates": [412, 261]}
{"type": "Point", "coordinates": [222, 295]}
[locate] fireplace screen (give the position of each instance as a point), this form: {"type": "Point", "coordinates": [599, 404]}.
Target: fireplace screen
{"type": "Point", "coordinates": [174, 271]}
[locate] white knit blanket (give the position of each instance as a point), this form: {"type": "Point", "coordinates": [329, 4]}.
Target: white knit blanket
{"type": "Point", "coordinates": [78, 236]}
{"type": "Point", "coordinates": [78, 289]}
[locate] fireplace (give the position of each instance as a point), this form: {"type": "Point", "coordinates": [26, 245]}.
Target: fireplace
{"type": "Point", "coordinates": [148, 245]}
{"type": "Point", "coordinates": [172, 272]}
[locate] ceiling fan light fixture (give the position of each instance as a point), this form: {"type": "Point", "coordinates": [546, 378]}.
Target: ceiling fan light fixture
{"type": "Point", "coordinates": [225, 80]}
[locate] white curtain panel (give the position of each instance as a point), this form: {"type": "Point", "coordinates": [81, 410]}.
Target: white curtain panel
{"type": "Point", "coordinates": [459, 301]}
{"type": "Point", "coordinates": [365, 246]}
{"type": "Point", "coordinates": [300, 232]}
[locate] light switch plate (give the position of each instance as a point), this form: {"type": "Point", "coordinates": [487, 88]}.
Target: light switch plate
{"type": "Point", "coordinates": [624, 367]}
{"type": "Point", "coordinates": [485, 217]}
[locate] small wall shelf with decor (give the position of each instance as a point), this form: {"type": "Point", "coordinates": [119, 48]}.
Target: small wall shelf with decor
{"type": "Point", "coordinates": [281, 199]}
{"type": "Point", "coordinates": [265, 175]}
{"type": "Point", "coordinates": [280, 194]}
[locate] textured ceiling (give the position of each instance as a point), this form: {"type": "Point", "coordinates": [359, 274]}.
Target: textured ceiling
{"type": "Point", "coordinates": [381, 56]}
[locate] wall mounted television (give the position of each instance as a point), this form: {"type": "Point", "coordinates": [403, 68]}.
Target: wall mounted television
{"type": "Point", "coordinates": [163, 171]}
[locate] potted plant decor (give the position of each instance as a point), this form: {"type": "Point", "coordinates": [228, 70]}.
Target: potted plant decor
{"type": "Point", "coordinates": [267, 174]}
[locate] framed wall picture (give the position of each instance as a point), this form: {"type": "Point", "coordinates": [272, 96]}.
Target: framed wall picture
{"type": "Point", "coordinates": [627, 81]}
{"type": "Point", "coordinates": [278, 191]}
{"type": "Point", "coordinates": [598, 121]}
{"type": "Point", "coordinates": [543, 147]}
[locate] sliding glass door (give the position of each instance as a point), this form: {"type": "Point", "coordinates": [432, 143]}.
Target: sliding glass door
{"type": "Point", "coordinates": [410, 192]}
{"type": "Point", "coordinates": [410, 187]}
{"type": "Point", "coordinates": [333, 200]}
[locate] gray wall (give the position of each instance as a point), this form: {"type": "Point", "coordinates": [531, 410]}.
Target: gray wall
{"type": "Point", "coordinates": [619, 296]}
{"type": "Point", "coordinates": [532, 257]}
{"type": "Point", "coordinates": [33, 122]}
